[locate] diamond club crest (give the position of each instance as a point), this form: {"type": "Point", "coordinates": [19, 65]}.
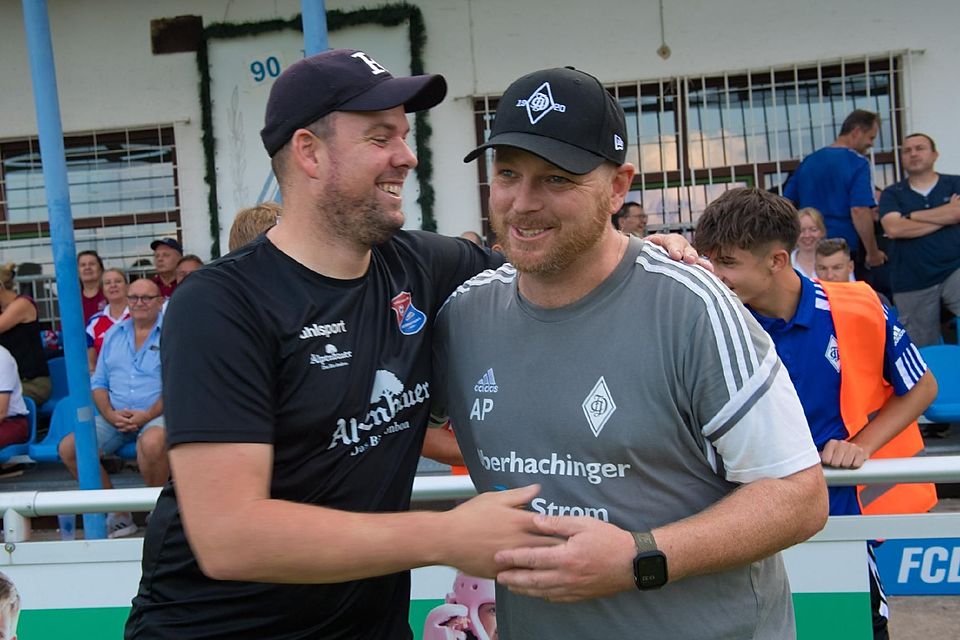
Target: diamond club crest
{"type": "Point", "coordinates": [598, 406]}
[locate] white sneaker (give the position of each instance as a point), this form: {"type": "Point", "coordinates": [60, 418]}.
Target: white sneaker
{"type": "Point", "coordinates": [120, 525]}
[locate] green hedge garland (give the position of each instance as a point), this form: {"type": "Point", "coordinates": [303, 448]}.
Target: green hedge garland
{"type": "Point", "coordinates": [389, 16]}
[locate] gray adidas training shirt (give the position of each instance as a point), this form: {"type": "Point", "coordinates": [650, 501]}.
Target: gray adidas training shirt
{"type": "Point", "coordinates": [645, 402]}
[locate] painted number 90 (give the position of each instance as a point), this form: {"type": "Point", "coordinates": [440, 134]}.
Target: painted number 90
{"type": "Point", "coordinates": [264, 68]}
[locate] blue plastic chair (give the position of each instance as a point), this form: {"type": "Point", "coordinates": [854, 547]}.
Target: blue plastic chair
{"type": "Point", "coordinates": [944, 361]}
{"type": "Point", "coordinates": [63, 422]}
{"type": "Point", "coordinates": [23, 448]}
{"type": "Point", "coordinates": [58, 382]}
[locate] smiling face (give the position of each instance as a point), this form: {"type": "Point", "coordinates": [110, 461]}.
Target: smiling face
{"type": "Point", "coordinates": [747, 273]}
{"type": "Point", "coordinates": [89, 269]}
{"type": "Point", "coordinates": [367, 161]}
{"type": "Point", "coordinates": [144, 300]}
{"type": "Point", "coordinates": [810, 233]}
{"type": "Point", "coordinates": [546, 218]}
{"type": "Point", "coordinates": [114, 286]}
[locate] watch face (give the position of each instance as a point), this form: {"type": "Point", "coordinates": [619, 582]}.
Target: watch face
{"type": "Point", "coordinates": [650, 570]}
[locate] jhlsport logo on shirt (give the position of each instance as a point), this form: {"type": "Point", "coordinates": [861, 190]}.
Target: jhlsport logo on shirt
{"type": "Point", "coordinates": [388, 399]}
{"type": "Point", "coordinates": [410, 319]}
{"type": "Point", "coordinates": [323, 330]}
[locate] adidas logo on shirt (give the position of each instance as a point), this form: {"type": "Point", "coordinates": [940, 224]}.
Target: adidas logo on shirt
{"type": "Point", "coordinates": [486, 384]}
{"type": "Point", "coordinates": [897, 335]}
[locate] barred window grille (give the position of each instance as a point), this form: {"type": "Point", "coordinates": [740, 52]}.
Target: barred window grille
{"type": "Point", "coordinates": [123, 193]}
{"type": "Point", "coordinates": [693, 137]}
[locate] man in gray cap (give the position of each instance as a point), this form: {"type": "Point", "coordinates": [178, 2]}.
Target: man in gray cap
{"type": "Point", "coordinates": [297, 382]}
{"type": "Point", "coordinates": [675, 469]}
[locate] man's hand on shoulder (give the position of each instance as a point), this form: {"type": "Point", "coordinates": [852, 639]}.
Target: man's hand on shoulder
{"type": "Point", "coordinates": [679, 249]}
{"type": "Point", "coordinates": [594, 561]}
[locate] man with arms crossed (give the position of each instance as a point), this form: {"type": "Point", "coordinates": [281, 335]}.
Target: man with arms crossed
{"type": "Point", "coordinates": [297, 384]}
{"type": "Point", "coordinates": [921, 215]}
{"type": "Point", "coordinates": [657, 444]}
{"type": "Point", "coordinates": [861, 381]}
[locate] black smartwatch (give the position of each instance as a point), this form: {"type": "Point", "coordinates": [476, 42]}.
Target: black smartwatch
{"type": "Point", "coordinates": [649, 565]}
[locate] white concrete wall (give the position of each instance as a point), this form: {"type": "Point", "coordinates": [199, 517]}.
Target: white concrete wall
{"type": "Point", "coordinates": [108, 76]}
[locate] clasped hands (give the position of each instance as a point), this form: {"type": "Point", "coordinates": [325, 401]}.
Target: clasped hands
{"type": "Point", "coordinates": [557, 558]}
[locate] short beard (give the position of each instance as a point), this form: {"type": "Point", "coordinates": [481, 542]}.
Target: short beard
{"type": "Point", "coordinates": [359, 220]}
{"type": "Point", "coordinates": [568, 251]}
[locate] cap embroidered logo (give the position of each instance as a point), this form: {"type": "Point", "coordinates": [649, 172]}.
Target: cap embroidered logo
{"type": "Point", "coordinates": [541, 103]}
{"type": "Point", "coordinates": [375, 66]}
{"type": "Point", "coordinates": [617, 143]}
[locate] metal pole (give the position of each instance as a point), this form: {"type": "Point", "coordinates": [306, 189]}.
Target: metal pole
{"type": "Point", "coordinates": [314, 16]}
{"type": "Point", "coordinates": [47, 104]}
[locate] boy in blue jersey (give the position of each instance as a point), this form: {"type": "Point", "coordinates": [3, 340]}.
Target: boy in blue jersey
{"type": "Point", "coordinates": [749, 234]}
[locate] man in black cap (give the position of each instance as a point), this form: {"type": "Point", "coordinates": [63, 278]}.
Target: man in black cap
{"type": "Point", "coordinates": [166, 253]}
{"type": "Point", "coordinates": [688, 452]}
{"type": "Point", "coordinates": [297, 382]}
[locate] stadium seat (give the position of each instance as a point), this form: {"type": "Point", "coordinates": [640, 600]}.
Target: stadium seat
{"type": "Point", "coordinates": [23, 448]}
{"type": "Point", "coordinates": [944, 361]}
{"type": "Point", "coordinates": [61, 423]}
{"type": "Point", "coordinates": [58, 382]}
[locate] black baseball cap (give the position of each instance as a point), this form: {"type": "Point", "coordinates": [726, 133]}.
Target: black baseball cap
{"type": "Point", "coordinates": [563, 115]}
{"type": "Point", "coordinates": [340, 80]}
{"type": "Point", "coordinates": [170, 242]}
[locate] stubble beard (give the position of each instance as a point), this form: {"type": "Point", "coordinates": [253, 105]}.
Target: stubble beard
{"type": "Point", "coordinates": [359, 219]}
{"type": "Point", "coordinates": [569, 247]}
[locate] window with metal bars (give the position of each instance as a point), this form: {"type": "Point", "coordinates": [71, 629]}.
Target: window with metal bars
{"type": "Point", "coordinates": [693, 137]}
{"type": "Point", "coordinates": [123, 194]}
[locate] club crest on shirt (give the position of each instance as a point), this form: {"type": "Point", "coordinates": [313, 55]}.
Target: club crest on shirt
{"type": "Point", "coordinates": [833, 354]}
{"type": "Point", "coordinates": [598, 406]}
{"type": "Point", "coordinates": [410, 319]}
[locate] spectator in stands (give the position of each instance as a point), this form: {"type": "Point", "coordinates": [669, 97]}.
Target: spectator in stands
{"type": "Point", "coordinates": [126, 389]}
{"type": "Point", "coordinates": [187, 265]}
{"type": "Point", "coordinates": [253, 221]}
{"type": "Point", "coordinates": [15, 426]}
{"type": "Point", "coordinates": [812, 230]}
{"type": "Point", "coordinates": [920, 215]}
{"type": "Point", "coordinates": [20, 335]}
{"type": "Point", "coordinates": [834, 263]}
{"type": "Point", "coordinates": [90, 268]}
{"type": "Point", "coordinates": [836, 180]}
{"type": "Point", "coordinates": [9, 608]}
{"type": "Point", "coordinates": [115, 291]}
{"type": "Point", "coordinates": [825, 333]}
{"type": "Point", "coordinates": [473, 237]}
{"type": "Point", "coordinates": [631, 219]}
{"type": "Point", "coordinates": [166, 254]}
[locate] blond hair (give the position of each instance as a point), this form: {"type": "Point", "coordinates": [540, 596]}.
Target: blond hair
{"type": "Point", "coordinates": [815, 215]}
{"type": "Point", "coordinates": [7, 273]}
{"type": "Point", "coordinates": [251, 222]}
{"type": "Point", "coordinates": [9, 602]}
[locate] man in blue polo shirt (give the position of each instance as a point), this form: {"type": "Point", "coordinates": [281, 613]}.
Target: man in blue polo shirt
{"type": "Point", "coordinates": [749, 234]}
{"type": "Point", "coordinates": [127, 391]}
{"type": "Point", "coordinates": [836, 180]}
{"type": "Point", "coordinates": [920, 215]}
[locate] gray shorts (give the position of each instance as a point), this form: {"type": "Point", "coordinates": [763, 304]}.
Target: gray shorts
{"type": "Point", "coordinates": [919, 310]}
{"type": "Point", "coordinates": [109, 439]}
